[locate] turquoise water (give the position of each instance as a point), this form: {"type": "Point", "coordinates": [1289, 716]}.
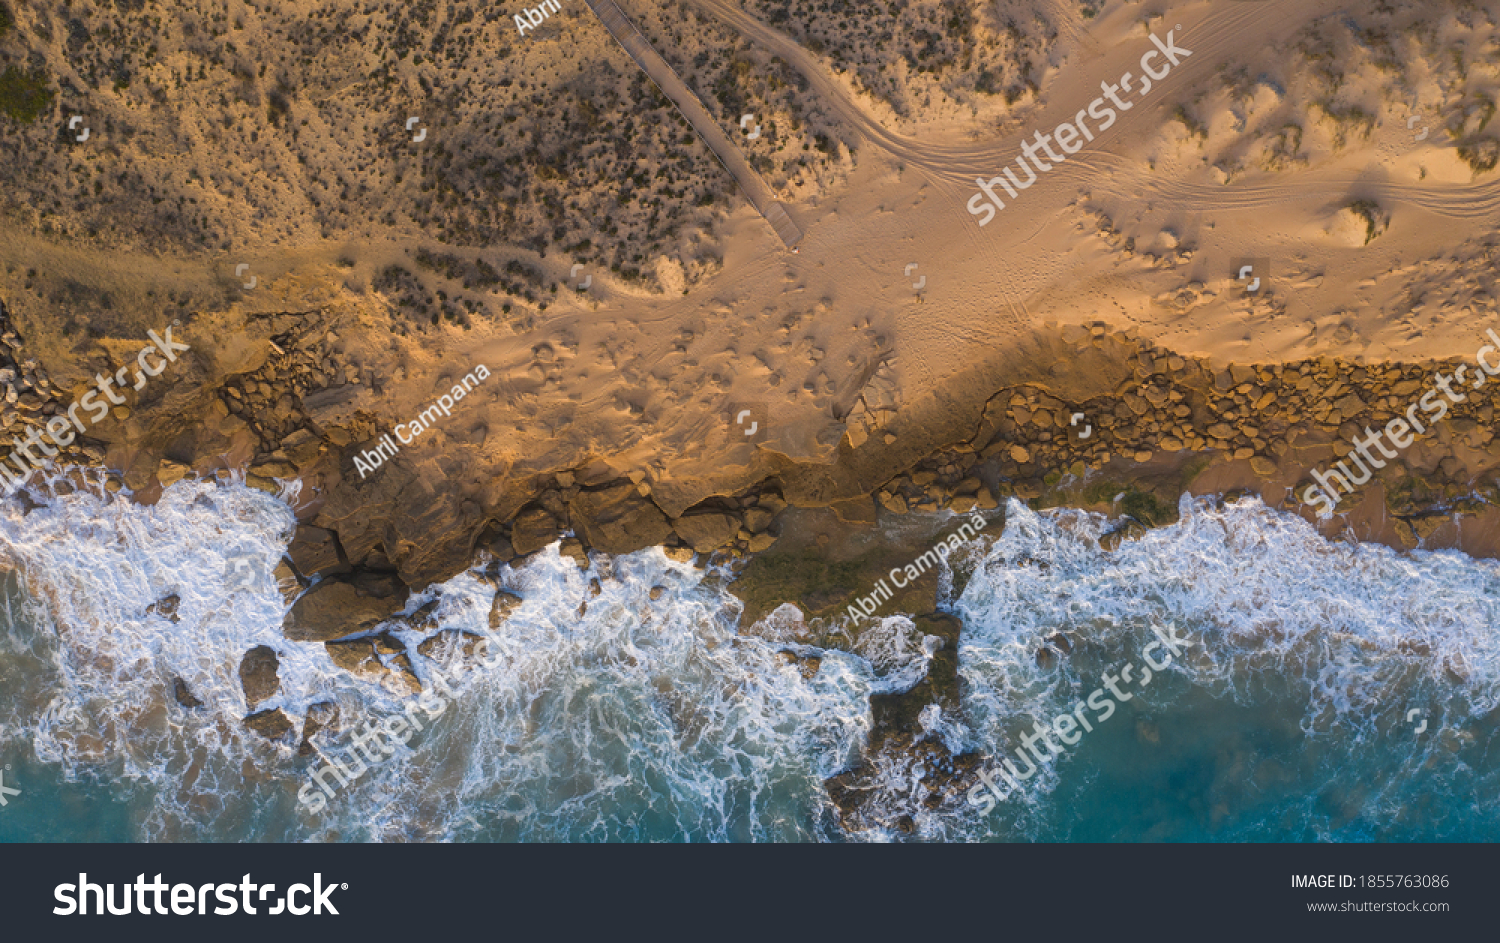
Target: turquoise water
{"type": "Point", "coordinates": [653, 719]}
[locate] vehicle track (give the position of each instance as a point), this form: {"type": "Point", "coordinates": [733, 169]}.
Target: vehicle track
{"type": "Point", "coordinates": [697, 115]}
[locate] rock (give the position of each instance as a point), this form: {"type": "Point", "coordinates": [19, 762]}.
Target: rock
{"type": "Point", "coordinates": [1129, 530]}
{"type": "Point", "coordinates": [681, 554]}
{"type": "Point", "coordinates": [289, 581]}
{"type": "Point", "coordinates": [760, 542]}
{"type": "Point", "coordinates": [1019, 454]}
{"type": "Point", "coordinates": [1405, 534]}
{"type": "Point", "coordinates": [302, 448]}
{"type": "Point", "coordinates": [274, 469]}
{"type": "Point", "coordinates": [532, 530]}
{"type": "Point", "coordinates": [1350, 406]}
{"type": "Point", "coordinates": [166, 607]}
{"type": "Point", "coordinates": [658, 591]}
{"type": "Point", "coordinates": [572, 547]}
{"type": "Point", "coordinates": [323, 715]}
{"type": "Point", "coordinates": [169, 473]}
{"type": "Point", "coordinates": [449, 645]}
{"type": "Point", "coordinates": [771, 502]}
{"type": "Point", "coordinates": [336, 608]}
{"type": "Point", "coordinates": [258, 674]}
{"type": "Point", "coordinates": [1263, 467]}
{"type": "Point", "coordinates": [706, 531]}
{"type": "Point", "coordinates": [361, 657]}
{"type": "Point", "coordinates": [807, 665]}
{"type": "Point", "coordinates": [501, 608]}
{"type": "Point", "coordinates": [894, 503]}
{"type": "Point", "coordinates": [183, 695]}
{"type": "Point", "coordinates": [618, 520]}
{"type": "Point", "coordinates": [1425, 527]}
{"type": "Point", "coordinates": [315, 552]}
{"type": "Point", "coordinates": [271, 724]}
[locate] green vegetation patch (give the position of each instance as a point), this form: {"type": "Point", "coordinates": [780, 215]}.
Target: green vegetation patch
{"type": "Point", "coordinates": [1370, 213]}
{"type": "Point", "coordinates": [24, 95]}
{"type": "Point", "coordinates": [1140, 505]}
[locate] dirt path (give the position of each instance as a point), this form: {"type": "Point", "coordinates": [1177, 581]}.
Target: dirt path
{"type": "Point", "coordinates": [697, 115]}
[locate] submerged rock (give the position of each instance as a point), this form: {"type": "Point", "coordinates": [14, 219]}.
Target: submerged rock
{"type": "Point", "coordinates": [184, 695]}
{"type": "Point", "coordinates": [271, 724]}
{"type": "Point", "coordinates": [321, 716]}
{"type": "Point", "coordinates": [166, 607]}
{"type": "Point", "coordinates": [361, 657]}
{"type": "Point", "coordinates": [502, 607]}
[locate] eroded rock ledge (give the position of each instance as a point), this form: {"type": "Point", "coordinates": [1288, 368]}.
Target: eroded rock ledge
{"type": "Point", "coordinates": [1158, 423]}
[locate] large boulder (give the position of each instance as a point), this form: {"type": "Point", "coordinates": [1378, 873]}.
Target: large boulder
{"type": "Point", "coordinates": [271, 724]}
{"type": "Point", "coordinates": [708, 530]}
{"type": "Point", "coordinates": [532, 530]}
{"type": "Point", "coordinates": [315, 552]}
{"type": "Point", "coordinates": [258, 674]}
{"type": "Point", "coordinates": [618, 519]}
{"type": "Point", "coordinates": [337, 608]}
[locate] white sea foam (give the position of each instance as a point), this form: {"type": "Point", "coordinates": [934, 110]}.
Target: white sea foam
{"type": "Point", "coordinates": [1357, 633]}
{"type": "Point", "coordinates": [655, 719]}
{"type": "Point", "coordinates": [641, 718]}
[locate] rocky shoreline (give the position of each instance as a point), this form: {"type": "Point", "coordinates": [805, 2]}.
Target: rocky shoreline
{"type": "Point", "coordinates": [1157, 423]}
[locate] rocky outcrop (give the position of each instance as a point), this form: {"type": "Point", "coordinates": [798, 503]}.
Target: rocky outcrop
{"type": "Point", "coordinates": [336, 608]}
{"type": "Point", "coordinates": [501, 608]}
{"type": "Point", "coordinates": [618, 519]}
{"type": "Point", "coordinates": [376, 657]}
{"type": "Point", "coordinates": [904, 770]}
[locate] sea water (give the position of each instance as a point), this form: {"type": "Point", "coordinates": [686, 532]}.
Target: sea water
{"type": "Point", "coordinates": [619, 716]}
